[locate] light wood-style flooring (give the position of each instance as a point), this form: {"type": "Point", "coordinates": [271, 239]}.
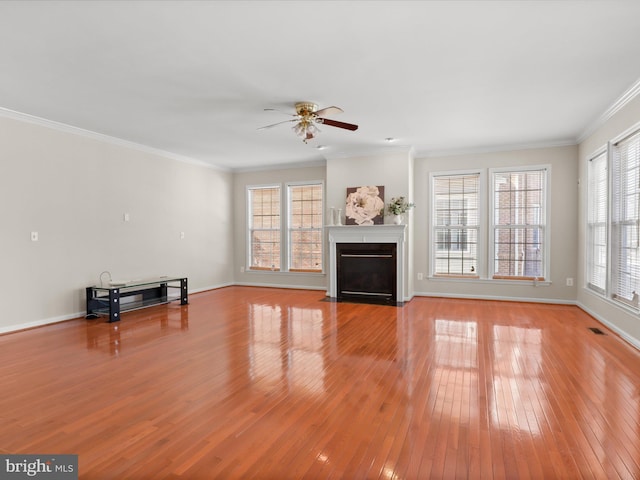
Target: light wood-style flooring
{"type": "Point", "coordinates": [282, 384]}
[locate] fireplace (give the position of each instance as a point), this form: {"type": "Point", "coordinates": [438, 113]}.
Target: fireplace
{"type": "Point", "coordinates": [366, 272]}
{"type": "Point", "coordinates": [366, 263]}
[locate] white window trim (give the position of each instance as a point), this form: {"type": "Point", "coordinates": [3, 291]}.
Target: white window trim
{"type": "Point", "coordinates": [607, 151]}
{"type": "Point", "coordinates": [546, 265]}
{"type": "Point", "coordinates": [249, 216]}
{"type": "Point", "coordinates": [286, 253]}
{"type": "Point", "coordinates": [613, 265]}
{"type": "Point", "coordinates": [607, 297]}
{"type": "Point", "coordinates": [482, 219]}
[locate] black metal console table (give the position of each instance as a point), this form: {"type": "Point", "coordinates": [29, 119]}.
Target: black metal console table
{"type": "Point", "coordinates": [116, 298]}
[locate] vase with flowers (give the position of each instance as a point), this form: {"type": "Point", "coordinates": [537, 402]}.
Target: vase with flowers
{"type": "Point", "coordinates": [398, 207]}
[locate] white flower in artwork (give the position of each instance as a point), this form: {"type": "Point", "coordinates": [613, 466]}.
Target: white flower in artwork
{"type": "Point", "coordinates": [364, 204]}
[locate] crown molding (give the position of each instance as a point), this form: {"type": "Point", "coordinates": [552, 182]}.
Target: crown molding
{"type": "Point", "coordinates": [371, 151]}
{"type": "Point", "coordinates": [282, 166]}
{"type": "Point", "coordinates": [630, 94]}
{"type": "Point", "coordinates": [497, 148]}
{"type": "Point", "coordinates": [65, 128]}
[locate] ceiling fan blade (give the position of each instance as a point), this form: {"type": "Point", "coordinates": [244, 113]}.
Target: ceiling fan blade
{"type": "Point", "coordinates": [333, 123]}
{"type": "Point", "coordinates": [328, 111]}
{"type": "Point", "coordinates": [280, 111]}
{"type": "Point", "coordinates": [279, 123]}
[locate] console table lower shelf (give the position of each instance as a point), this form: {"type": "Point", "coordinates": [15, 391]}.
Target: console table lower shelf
{"type": "Point", "coordinates": [121, 297]}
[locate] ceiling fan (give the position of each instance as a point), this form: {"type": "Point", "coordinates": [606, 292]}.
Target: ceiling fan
{"type": "Point", "coordinates": [307, 117]}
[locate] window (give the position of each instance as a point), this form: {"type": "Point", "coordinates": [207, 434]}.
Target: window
{"type": "Point", "coordinates": [305, 238]}
{"type": "Point", "coordinates": [597, 223]}
{"type": "Point", "coordinates": [519, 219]}
{"type": "Point", "coordinates": [264, 227]}
{"type": "Point", "coordinates": [625, 221]}
{"type": "Point", "coordinates": [455, 225]}
{"type": "Point", "coordinates": [296, 246]}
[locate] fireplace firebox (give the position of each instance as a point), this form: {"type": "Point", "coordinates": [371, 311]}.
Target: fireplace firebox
{"type": "Point", "coordinates": [368, 240]}
{"type": "Point", "coordinates": [366, 272]}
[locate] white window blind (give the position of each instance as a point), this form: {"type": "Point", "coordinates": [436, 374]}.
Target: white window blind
{"type": "Point", "coordinates": [597, 224]}
{"type": "Point", "coordinates": [519, 224]}
{"type": "Point", "coordinates": [264, 228]}
{"type": "Point", "coordinates": [455, 226]}
{"type": "Point", "coordinates": [625, 222]}
{"type": "Point", "coordinates": [305, 228]}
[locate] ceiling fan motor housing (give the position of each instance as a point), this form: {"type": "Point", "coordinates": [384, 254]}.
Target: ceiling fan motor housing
{"type": "Point", "coordinates": [306, 109]}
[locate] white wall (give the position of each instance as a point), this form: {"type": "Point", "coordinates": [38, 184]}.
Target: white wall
{"type": "Point", "coordinates": [627, 324]}
{"type": "Point", "coordinates": [73, 190]}
{"type": "Point", "coordinates": [564, 210]}
{"type": "Point", "coordinates": [390, 168]}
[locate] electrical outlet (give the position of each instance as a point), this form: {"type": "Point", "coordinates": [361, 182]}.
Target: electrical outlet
{"type": "Point", "coordinates": [569, 282]}
{"type": "Point", "coordinates": [241, 269]}
{"type": "Point", "coordinates": [420, 276]}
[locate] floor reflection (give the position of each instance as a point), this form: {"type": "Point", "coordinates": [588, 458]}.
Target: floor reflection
{"type": "Point", "coordinates": [516, 368]}
{"type": "Point", "coordinates": [286, 345]}
{"type": "Point", "coordinates": [511, 365]}
{"type": "Point", "coordinates": [456, 343]}
{"type": "Point", "coordinates": [135, 328]}
{"type": "Point", "coordinates": [381, 343]}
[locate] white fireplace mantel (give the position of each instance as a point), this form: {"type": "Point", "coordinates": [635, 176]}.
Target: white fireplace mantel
{"type": "Point", "coordinates": [367, 234]}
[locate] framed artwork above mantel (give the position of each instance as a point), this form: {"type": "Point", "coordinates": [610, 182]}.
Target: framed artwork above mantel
{"type": "Point", "coordinates": [365, 205]}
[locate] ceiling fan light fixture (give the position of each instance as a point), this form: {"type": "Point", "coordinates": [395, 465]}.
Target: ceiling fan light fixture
{"type": "Point", "coordinates": [306, 129]}
{"type": "Point", "coordinates": [311, 128]}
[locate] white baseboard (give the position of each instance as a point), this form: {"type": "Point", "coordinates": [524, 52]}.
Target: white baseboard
{"type": "Point", "coordinates": [211, 287]}
{"type": "Point", "coordinates": [498, 298]}
{"type": "Point", "coordinates": [40, 323]}
{"type": "Point", "coordinates": [634, 342]}
{"type": "Point", "coordinates": [271, 285]}
{"type": "Point", "coordinates": [73, 316]}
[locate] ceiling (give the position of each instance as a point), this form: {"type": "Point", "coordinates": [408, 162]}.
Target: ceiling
{"type": "Point", "coordinates": [193, 78]}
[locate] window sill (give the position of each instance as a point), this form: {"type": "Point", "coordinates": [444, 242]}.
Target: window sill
{"type": "Point", "coordinates": [520, 278]}
{"type": "Point", "coordinates": [520, 281]}
{"type": "Point", "coordinates": [624, 306]}
{"type": "Point", "coordinates": [625, 302]}
{"type": "Point", "coordinates": [454, 277]}
{"type": "Point", "coordinates": [268, 271]}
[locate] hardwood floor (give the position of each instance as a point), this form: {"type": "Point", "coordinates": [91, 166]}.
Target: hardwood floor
{"type": "Point", "coordinates": [278, 384]}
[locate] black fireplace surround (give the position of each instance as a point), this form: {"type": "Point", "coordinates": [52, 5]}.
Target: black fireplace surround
{"type": "Point", "coordinates": [366, 272]}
